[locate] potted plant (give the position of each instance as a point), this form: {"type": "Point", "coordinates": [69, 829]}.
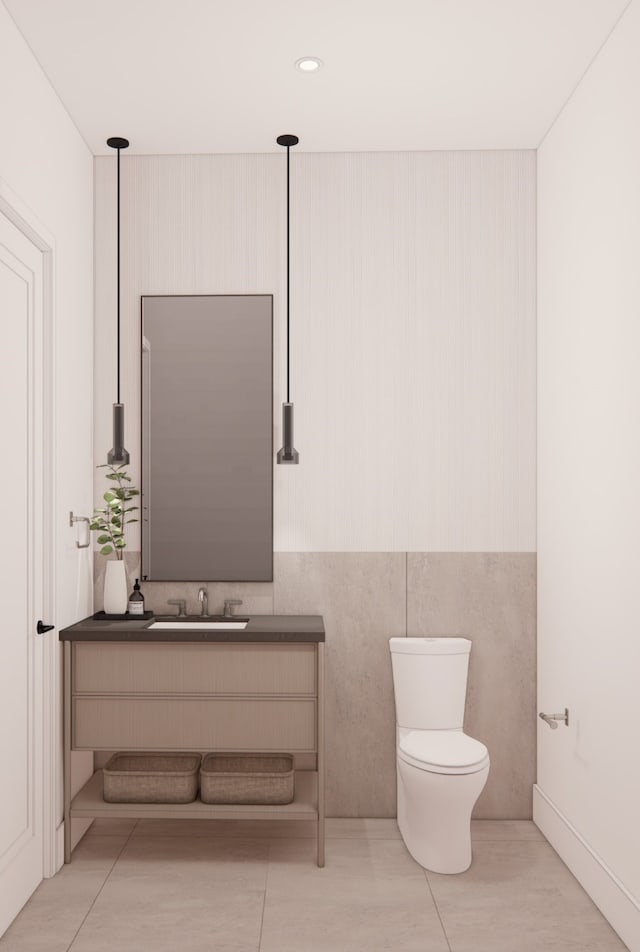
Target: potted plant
{"type": "Point", "coordinates": [110, 522]}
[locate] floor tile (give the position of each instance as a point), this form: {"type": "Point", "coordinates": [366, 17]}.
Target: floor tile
{"type": "Point", "coordinates": [205, 892]}
{"type": "Point", "coordinates": [55, 912]}
{"type": "Point", "coordinates": [191, 862]}
{"type": "Point", "coordinates": [382, 829]}
{"type": "Point", "coordinates": [111, 826]}
{"type": "Point", "coordinates": [370, 896]}
{"type": "Point", "coordinates": [169, 892]}
{"type": "Point", "coordinates": [519, 895]}
{"type": "Point", "coordinates": [225, 920]}
{"type": "Point", "coordinates": [505, 830]}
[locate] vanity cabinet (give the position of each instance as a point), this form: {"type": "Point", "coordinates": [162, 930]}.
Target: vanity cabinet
{"type": "Point", "coordinates": [206, 691]}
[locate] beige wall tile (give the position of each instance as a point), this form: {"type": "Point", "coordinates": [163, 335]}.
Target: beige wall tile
{"type": "Point", "coordinates": [362, 598]}
{"type": "Point", "coordinates": [257, 597]}
{"type": "Point", "coordinates": [490, 598]}
{"type": "Point", "coordinates": [366, 598]}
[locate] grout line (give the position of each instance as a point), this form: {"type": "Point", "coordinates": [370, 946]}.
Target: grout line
{"type": "Point", "coordinates": [95, 898]}
{"type": "Point", "coordinates": [406, 594]}
{"type": "Point", "coordinates": [511, 839]}
{"type": "Point", "coordinates": [444, 931]}
{"type": "Point", "coordinates": [264, 895]}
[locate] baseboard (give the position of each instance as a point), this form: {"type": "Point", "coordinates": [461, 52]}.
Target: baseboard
{"type": "Point", "coordinates": [78, 830]}
{"type": "Point", "coordinates": [612, 898]}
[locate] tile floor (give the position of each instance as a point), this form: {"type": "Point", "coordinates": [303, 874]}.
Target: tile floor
{"type": "Point", "coordinates": [231, 886]}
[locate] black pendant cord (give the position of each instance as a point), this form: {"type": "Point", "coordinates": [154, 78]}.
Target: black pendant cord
{"type": "Point", "coordinates": [118, 278]}
{"type": "Point", "coordinates": [288, 141]}
{"type": "Point", "coordinates": [288, 271]}
{"type": "Point", "coordinates": [118, 143]}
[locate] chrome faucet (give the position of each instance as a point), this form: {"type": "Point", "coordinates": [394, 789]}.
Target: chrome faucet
{"type": "Point", "coordinates": [229, 604]}
{"type": "Point", "coordinates": [203, 598]}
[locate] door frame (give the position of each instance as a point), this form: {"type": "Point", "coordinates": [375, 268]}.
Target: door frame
{"type": "Point", "coordinates": [20, 215]}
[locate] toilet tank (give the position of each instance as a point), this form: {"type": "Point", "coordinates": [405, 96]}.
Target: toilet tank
{"type": "Point", "coordinates": [430, 681]}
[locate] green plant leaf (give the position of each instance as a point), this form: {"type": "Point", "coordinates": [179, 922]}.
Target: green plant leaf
{"type": "Point", "coordinates": [103, 538]}
{"type": "Point", "coordinates": [131, 520]}
{"type": "Point", "coordinates": [109, 496]}
{"type": "Point", "coordinates": [106, 550]}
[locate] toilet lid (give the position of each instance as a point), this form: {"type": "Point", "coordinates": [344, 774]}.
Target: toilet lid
{"type": "Point", "coordinates": [442, 748]}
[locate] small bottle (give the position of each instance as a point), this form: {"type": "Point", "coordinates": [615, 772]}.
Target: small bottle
{"type": "Point", "coordinates": [136, 600]}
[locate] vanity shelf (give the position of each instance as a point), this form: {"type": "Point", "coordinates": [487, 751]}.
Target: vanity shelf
{"type": "Point", "coordinates": [258, 690]}
{"type": "Point", "coordinates": [89, 803]}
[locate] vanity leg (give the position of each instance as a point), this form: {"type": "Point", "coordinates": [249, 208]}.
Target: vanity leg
{"type": "Point", "coordinates": [67, 751]}
{"type": "Point", "coordinates": [320, 754]}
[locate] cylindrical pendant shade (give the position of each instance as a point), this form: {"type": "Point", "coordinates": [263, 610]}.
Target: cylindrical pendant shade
{"type": "Point", "coordinates": [118, 456]}
{"type": "Point", "coordinates": [287, 454]}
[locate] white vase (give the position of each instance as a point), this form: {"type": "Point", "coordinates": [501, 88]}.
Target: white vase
{"type": "Point", "coordinates": [115, 588]}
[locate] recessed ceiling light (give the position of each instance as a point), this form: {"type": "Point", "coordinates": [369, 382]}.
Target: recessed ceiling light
{"type": "Point", "coordinates": [308, 64]}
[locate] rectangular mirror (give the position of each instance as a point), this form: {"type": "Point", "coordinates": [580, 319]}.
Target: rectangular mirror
{"type": "Point", "coordinates": [207, 437]}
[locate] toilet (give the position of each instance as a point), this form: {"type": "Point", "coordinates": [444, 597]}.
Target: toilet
{"type": "Point", "coordinates": [441, 770]}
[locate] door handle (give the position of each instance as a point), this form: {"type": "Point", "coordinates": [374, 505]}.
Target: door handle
{"type": "Point", "coordinates": [41, 627]}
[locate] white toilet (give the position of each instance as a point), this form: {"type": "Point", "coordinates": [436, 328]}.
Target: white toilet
{"type": "Point", "coordinates": [441, 770]}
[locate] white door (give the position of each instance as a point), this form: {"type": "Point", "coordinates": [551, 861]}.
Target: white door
{"type": "Point", "coordinates": [21, 569]}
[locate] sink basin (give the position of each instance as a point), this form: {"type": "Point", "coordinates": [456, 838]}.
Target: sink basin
{"type": "Point", "coordinates": [200, 625]}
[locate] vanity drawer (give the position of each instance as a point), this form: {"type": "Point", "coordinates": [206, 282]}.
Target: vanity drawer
{"type": "Point", "coordinates": [170, 668]}
{"type": "Point", "coordinates": [194, 723]}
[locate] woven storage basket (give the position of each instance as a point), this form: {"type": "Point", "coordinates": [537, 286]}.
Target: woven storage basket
{"type": "Point", "coordinates": [151, 777]}
{"type": "Point", "coordinates": [246, 778]}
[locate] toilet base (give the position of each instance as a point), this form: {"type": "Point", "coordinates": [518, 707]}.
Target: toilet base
{"type": "Point", "coordinates": [434, 816]}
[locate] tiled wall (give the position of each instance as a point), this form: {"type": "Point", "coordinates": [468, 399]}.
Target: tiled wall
{"type": "Point", "coordinates": [368, 597]}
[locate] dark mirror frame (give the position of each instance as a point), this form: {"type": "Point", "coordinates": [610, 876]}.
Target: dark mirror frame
{"type": "Point", "coordinates": [207, 449]}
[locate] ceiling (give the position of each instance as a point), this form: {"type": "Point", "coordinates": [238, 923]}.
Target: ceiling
{"type": "Point", "coordinates": [193, 76]}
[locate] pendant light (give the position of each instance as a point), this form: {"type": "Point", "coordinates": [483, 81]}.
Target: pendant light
{"type": "Point", "coordinates": [287, 454]}
{"type": "Point", "coordinates": [118, 456]}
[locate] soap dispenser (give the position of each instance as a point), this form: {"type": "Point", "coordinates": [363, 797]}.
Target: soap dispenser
{"type": "Point", "coordinates": [136, 600]}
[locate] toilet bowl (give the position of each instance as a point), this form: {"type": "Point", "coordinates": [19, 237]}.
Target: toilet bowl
{"type": "Point", "coordinates": [441, 774]}
{"type": "Point", "coordinates": [441, 771]}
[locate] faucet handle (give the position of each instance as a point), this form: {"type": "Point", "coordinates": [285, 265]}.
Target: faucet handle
{"type": "Point", "coordinates": [182, 606]}
{"type": "Point", "coordinates": [229, 604]}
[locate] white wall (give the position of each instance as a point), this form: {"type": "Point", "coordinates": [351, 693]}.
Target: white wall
{"type": "Point", "coordinates": [589, 477]}
{"type": "Point", "coordinates": [47, 166]}
{"type": "Point", "coordinates": [413, 329]}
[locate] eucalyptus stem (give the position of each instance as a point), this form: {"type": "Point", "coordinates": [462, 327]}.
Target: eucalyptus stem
{"type": "Point", "coordinates": [111, 520]}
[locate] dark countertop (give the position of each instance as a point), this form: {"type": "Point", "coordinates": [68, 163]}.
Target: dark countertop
{"type": "Point", "coordinates": [267, 628]}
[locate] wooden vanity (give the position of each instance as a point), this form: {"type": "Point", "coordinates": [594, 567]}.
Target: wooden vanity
{"type": "Point", "coordinates": [259, 689]}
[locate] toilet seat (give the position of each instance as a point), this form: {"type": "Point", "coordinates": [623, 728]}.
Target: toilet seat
{"type": "Point", "coordinates": [442, 752]}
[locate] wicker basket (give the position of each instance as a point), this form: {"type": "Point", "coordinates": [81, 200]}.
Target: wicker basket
{"type": "Point", "coordinates": [246, 778]}
{"type": "Point", "coordinates": [151, 777]}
